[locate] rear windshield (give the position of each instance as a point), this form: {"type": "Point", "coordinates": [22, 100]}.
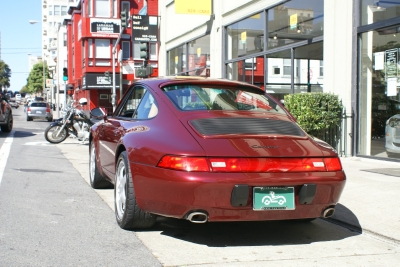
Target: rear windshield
{"type": "Point", "coordinates": [194, 97]}
{"type": "Point", "coordinates": [38, 105]}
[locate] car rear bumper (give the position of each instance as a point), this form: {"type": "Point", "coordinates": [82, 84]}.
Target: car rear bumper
{"type": "Point", "coordinates": [37, 116]}
{"type": "Point", "coordinates": [175, 194]}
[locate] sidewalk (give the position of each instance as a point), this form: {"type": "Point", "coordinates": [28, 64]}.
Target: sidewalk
{"type": "Point", "coordinates": [371, 197]}
{"type": "Point", "coordinates": [370, 200]}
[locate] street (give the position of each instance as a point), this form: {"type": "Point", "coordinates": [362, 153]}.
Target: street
{"type": "Point", "coordinates": [50, 216]}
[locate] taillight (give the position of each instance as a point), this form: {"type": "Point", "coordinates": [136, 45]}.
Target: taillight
{"type": "Point", "coordinates": [202, 164]}
{"type": "Point", "coordinates": [28, 109]}
{"type": "Point", "coordinates": [333, 164]}
{"type": "Point", "coordinates": [190, 164]}
{"type": "Point", "coordinates": [47, 109]}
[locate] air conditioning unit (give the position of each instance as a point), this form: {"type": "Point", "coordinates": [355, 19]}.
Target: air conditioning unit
{"type": "Point", "coordinates": [44, 1]}
{"type": "Point", "coordinates": [45, 47]}
{"type": "Point", "coordinates": [44, 18]}
{"type": "Point", "coordinates": [44, 32]}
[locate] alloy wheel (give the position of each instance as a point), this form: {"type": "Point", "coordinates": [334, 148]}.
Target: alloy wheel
{"type": "Point", "coordinates": [120, 189]}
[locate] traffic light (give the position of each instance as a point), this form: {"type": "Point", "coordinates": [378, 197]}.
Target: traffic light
{"type": "Point", "coordinates": [65, 74]}
{"type": "Point", "coordinates": [144, 51]}
{"type": "Point", "coordinates": [124, 19]}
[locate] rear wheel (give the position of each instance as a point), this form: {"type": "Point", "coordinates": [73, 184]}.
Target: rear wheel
{"type": "Point", "coordinates": [28, 118]}
{"type": "Point", "coordinates": [9, 125]}
{"type": "Point", "coordinates": [127, 212]}
{"type": "Point", "coordinates": [97, 181]}
{"type": "Point", "coordinates": [53, 134]}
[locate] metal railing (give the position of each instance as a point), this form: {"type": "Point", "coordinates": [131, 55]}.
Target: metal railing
{"type": "Point", "coordinates": [340, 137]}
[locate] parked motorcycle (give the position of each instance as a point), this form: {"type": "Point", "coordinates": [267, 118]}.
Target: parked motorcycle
{"type": "Point", "coordinates": [74, 123]}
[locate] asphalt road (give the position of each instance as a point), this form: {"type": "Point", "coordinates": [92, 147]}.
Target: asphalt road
{"type": "Point", "coordinates": [50, 216]}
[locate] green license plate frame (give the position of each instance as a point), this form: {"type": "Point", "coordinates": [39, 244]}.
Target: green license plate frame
{"type": "Point", "coordinates": [273, 198]}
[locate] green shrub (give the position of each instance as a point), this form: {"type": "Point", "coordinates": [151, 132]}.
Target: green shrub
{"type": "Point", "coordinates": [315, 112]}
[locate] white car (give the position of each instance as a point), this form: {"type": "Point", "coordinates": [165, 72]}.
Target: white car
{"type": "Point", "coordinates": [392, 136]}
{"type": "Point", "coordinates": [18, 97]}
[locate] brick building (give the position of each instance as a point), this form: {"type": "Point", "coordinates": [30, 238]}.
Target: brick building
{"type": "Point", "coordinates": [92, 32]}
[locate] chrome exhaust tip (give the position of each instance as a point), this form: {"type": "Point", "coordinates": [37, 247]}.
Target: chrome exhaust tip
{"type": "Point", "coordinates": [197, 217]}
{"type": "Point", "coordinates": [328, 212]}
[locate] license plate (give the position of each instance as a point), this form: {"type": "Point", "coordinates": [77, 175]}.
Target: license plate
{"type": "Point", "coordinates": [273, 198]}
{"type": "Point", "coordinates": [38, 112]}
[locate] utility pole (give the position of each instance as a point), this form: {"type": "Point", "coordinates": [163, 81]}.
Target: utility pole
{"type": "Point", "coordinates": [124, 24]}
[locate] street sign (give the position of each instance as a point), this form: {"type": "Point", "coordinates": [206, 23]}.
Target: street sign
{"type": "Point", "coordinates": [49, 82]}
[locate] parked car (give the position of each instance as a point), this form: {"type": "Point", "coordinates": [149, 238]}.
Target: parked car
{"type": "Point", "coordinates": [210, 150]}
{"type": "Point", "coordinates": [6, 115]}
{"type": "Point", "coordinates": [13, 102]}
{"type": "Point", "coordinates": [38, 110]}
{"type": "Point", "coordinates": [392, 136]}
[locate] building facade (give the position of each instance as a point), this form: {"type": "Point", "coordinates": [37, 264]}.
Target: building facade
{"type": "Point", "coordinates": [93, 32]}
{"type": "Point", "coordinates": [349, 48]}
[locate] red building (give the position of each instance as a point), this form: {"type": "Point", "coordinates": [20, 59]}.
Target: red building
{"type": "Point", "coordinates": [92, 33]}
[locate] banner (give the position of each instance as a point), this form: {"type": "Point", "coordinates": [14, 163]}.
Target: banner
{"type": "Point", "coordinates": [194, 7]}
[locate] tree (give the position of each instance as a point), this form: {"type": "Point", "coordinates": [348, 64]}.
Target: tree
{"type": "Point", "coordinates": [5, 75]}
{"type": "Point", "coordinates": [35, 79]}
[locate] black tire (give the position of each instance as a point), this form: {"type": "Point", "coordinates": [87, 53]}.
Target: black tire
{"type": "Point", "coordinates": [50, 134]}
{"type": "Point", "coordinates": [49, 119]}
{"type": "Point", "coordinates": [28, 118]}
{"type": "Point", "coordinates": [9, 125]}
{"type": "Point", "coordinates": [97, 181]}
{"type": "Point", "coordinates": [127, 212]}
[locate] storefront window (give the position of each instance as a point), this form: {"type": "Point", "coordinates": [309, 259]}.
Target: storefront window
{"type": "Point", "coordinates": [278, 74]}
{"type": "Point", "coordinates": [245, 37]}
{"type": "Point", "coordinates": [378, 10]}
{"type": "Point", "coordinates": [307, 76]}
{"type": "Point", "coordinates": [379, 98]}
{"type": "Point", "coordinates": [177, 60]}
{"type": "Point", "coordinates": [199, 56]}
{"type": "Point", "coordinates": [295, 21]}
{"type": "Point", "coordinates": [249, 70]}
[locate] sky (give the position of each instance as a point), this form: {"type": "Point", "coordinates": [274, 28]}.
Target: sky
{"type": "Point", "coordinates": [19, 38]}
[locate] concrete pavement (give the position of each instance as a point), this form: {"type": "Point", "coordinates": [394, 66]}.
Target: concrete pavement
{"type": "Point", "coordinates": [370, 201]}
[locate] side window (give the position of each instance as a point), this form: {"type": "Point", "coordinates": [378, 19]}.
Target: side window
{"type": "Point", "coordinates": [147, 108]}
{"type": "Point", "coordinates": [129, 107]}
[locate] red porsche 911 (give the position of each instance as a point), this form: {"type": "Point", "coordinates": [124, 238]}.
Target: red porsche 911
{"type": "Point", "coordinates": [210, 150]}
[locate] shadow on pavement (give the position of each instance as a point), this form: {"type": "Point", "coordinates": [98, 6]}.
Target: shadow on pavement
{"type": "Point", "coordinates": [345, 217]}
{"type": "Point", "coordinates": [231, 234]}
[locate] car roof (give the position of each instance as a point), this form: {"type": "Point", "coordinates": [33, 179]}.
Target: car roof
{"type": "Point", "coordinates": [195, 80]}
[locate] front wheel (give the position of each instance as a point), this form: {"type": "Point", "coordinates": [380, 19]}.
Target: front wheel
{"type": "Point", "coordinates": [127, 212]}
{"type": "Point", "coordinates": [53, 134]}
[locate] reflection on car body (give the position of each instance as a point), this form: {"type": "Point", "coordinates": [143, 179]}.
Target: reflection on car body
{"type": "Point", "coordinates": [198, 149]}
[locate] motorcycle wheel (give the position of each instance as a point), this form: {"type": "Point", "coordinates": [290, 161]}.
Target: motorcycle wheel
{"type": "Point", "coordinates": [50, 134]}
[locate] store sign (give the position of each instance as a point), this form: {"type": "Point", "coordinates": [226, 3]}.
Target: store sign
{"type": "Point", "coordinates": [144, 28]}
{"type": "Point", "coordinates": [293, 22]}
{"type": "Point", "coordinates": [194, 7]}
{"type": "Point", "coordinates": [98, 81]}
{"type": "Point", "coordinates": [391, 62]}
{"type": "Point", "coordinates": [104, 27]}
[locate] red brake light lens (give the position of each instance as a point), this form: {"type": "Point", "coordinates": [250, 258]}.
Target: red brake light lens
{"type": "Point", "coordinates": [333, 164]}
{"type": "Point", "coordinates": [190, 164]}
{"type": "Point", "coordinates": [202, 164]}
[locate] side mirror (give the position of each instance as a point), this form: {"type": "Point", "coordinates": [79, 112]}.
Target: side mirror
{"type": "Point", "coordinates": [98, 113]}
